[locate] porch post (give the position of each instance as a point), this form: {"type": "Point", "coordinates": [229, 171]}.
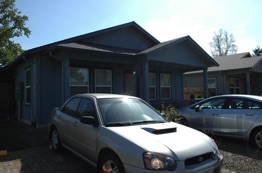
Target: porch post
{"type": "Point", "coordinates": [145, 80]}
{"type": "Point", "coordinates": [248, 82]}
{"type": "Point", "coordinates": [65, 79]}
{"type": "Point", "coordinates": [205, 81]}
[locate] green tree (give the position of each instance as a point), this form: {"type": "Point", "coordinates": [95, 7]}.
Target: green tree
{"type": "Point", "coordinates": [257, 51]}
{"type": "Point", "coordinates": [12, 24]}
{"type": "Point", "coordinates": [223, 44]}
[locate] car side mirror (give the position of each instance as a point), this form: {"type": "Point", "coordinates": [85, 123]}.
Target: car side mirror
{"type": "Point", "coordinates": [89, 120]}
{"type": "Point", "coordinates": [197, 108]}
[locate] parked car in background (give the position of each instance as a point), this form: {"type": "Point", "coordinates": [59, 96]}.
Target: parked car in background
{"type": "Point", "coordinates": [124, 134]}
{"type": "Point", "coordinates": [237, 116]}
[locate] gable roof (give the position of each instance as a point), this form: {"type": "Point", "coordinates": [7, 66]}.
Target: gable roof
{"type": "Point", "coordinates": [78, 42]}
{"type": "Point", "coordinates": [188, 40]}
{"type": "Point", "coordinates": [235, 62]}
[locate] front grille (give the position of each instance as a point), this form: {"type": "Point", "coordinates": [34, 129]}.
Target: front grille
{"type": "Point", "coordinates": [198, 159]}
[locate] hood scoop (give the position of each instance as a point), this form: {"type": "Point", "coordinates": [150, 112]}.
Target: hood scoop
{"type": "Point", "coordinates": [159, 131]}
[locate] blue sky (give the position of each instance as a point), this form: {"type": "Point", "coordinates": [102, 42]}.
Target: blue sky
{"type": "Point", "coordinates": [55, 20]}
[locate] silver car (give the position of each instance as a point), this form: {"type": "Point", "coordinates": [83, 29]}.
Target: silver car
{"type": "Point", "coordinates": [124, 134]}
{"type": "Point", "coordinates": [237, 116]}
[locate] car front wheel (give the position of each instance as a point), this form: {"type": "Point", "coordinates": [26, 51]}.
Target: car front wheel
{"type": "Point", "coordinates": [55, 142]}
{"type": "Point", "coordinates": [257, 137]}
{"type": "Point", "coordinates": [110, 163]}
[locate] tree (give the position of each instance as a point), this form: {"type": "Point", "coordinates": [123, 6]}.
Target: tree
{"type": "Point", "coordinates": [257, 51]}
{"type": "Point", "coordinates": [12, 24]}
{"type": "Point", "coordinates": [223, 44]}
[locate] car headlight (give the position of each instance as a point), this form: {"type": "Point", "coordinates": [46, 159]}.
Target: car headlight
{"type": "Point", "coordinates": [155, 161]}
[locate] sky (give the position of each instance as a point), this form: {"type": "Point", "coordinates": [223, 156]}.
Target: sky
{"type": "Point", "coordinates": [56, 20]}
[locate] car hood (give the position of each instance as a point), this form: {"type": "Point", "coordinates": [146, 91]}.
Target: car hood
{"type": "Point", "coordinates": [167, 138]}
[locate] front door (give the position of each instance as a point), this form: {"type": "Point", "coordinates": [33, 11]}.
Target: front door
{"type": "Point", "coordinates": [131, 83]}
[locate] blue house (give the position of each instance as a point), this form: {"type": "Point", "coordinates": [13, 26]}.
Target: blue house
{"type": "Point", "coordinates": [124, 59]}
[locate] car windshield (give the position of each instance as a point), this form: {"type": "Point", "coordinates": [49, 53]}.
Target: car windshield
{"type": "Point", "coordinates": [123, 112]}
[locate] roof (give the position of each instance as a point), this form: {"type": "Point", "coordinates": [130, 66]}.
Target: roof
{"type": "Point", "coordinates": [83, 42]}
{"type": "Point", "coordinates": [176, 41]}
{"type": "Point", "coordinates": [234, 62]}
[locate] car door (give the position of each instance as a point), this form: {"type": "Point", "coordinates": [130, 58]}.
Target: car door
{"type": "Point", "coordinates": [239, 117]}
{"type": "Point", "coordinates": [85, 135]}
{"type": "Point", "coordinates": [205, 116]}
{"type": "Point", "coordinates": [67, 124]}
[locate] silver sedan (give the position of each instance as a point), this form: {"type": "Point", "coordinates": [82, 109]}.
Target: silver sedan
{"type": "Point", "coordinates": [237, 116]}
{"type": "Point", "coordinates": [124, 134]}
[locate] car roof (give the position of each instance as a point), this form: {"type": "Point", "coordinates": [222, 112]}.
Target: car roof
{"type": "Point", "coordinates": [246, 96]}
{"type": "Point", "coordinates": [242, 96]}
{"type": "Point", "coordinates": [104, 95]}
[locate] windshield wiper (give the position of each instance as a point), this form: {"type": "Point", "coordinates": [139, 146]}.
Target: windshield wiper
{"type": "Point", "coordinates": [118, 124]}
{"type": "Point", "coordinates": [149, 122]}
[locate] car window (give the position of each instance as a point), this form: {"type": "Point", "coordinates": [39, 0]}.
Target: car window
{"type": "Point", "coordinates": [86, 108]}
{"type": "Point", "coordinates": [216, 103]}
{"type": "Point", "coordinates": [236, 103]}
{"type": "Point", "coordinates": [71, 107]}
{"type": "Point", "coordinates": [253, 105]}
{"type": "Point", "coordinates": [129, 111]}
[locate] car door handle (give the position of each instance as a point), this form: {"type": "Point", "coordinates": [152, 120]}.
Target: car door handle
{"type": "Point", "coordinates": [215, 115]}
{"type": "Point", "coordinates": [249, 115]}
{"type": "Point", "coordinates": [75, 124]}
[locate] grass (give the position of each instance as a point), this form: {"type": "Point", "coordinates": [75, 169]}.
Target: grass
{"type": "Point", "coordinates": [10, 141]}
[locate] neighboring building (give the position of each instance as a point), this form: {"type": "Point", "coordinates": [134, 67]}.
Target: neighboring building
{"type": "Point", "coordinates": [236, 74]}
{"type": "Point", "coordinates": [124, 59]}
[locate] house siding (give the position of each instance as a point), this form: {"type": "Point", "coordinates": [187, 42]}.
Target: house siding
{"type": "Point", "coordinates": [119, 49]}
{"type": "Point", "coordinates": [129, 38]}
{"type": "Point", "coordinates": [181, 54]}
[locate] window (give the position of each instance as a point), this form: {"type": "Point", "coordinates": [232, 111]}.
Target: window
{"type": "Point", "coordinates": [165, 86]}
{"type": "Point", "coordinates": [152, 86]}
{"type": "Point", "coordinates": [71, 107]}
{"type": "Point", "coordinates": [86, 108]}
{"type": "Point", "coordinates": [103, 81]}
{"type": "Point", "coordinates": [234, 86]}
{"type": "Point", "coordinates": [212, 87]}
{"type": "Point", "coordinates": [79, 80]}
{"type": "Point", "coordinates": [216, 103]}
{"type": "Point", "coordinates": [28, 86]}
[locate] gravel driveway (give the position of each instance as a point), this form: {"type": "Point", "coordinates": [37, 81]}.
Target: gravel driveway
{"type": "Point", "coordinates": [239, 156]}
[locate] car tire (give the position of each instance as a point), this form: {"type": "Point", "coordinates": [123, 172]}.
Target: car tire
{"type": "Point", "coordinates": [110, 163]}
{"type": "Point", "coordinates": [55, 141]}
{"type": "Point", "coordinates": [257, 137]}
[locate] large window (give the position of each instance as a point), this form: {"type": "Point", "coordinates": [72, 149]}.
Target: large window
{"type": "Point", "coordinates": [165, 86]}
{"type": "Point", "coordinates": [28, 86]}
{"type": "Point", "coordinates": [234, 86]}
{"type": "Point", "coordinates": [103, 81]}
{"type": "Point", "coordinates": [212, 87]}
{"type": "Point", "coordinates": [152, 86]}
{"type": "Point", "coordinates": [79, 80]}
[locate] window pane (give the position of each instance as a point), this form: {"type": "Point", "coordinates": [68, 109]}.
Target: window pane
{"type": "Point", "coordinates": [28, 95]}
{"type": "Point", "coordinates": [103, 77]}
{"type": "Point", "coordinates": [86, 108]}
{"type": "Point", "coordinates": [165, 79]}
{"type": "Point", "coordinates": [71, 106]}
{"type": "Point", "coordinates": [165, 93]}
{"type": "Point", "coordinates": [152, 93]}
{"type": "Point", "coordinates": [79, 76]}
{"type": "Point", "coordinates": [211, 83]}
{"type": "Point", "coordinates": [28, 77]}
{"type": "Point", "coordinates": [152, 79]}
